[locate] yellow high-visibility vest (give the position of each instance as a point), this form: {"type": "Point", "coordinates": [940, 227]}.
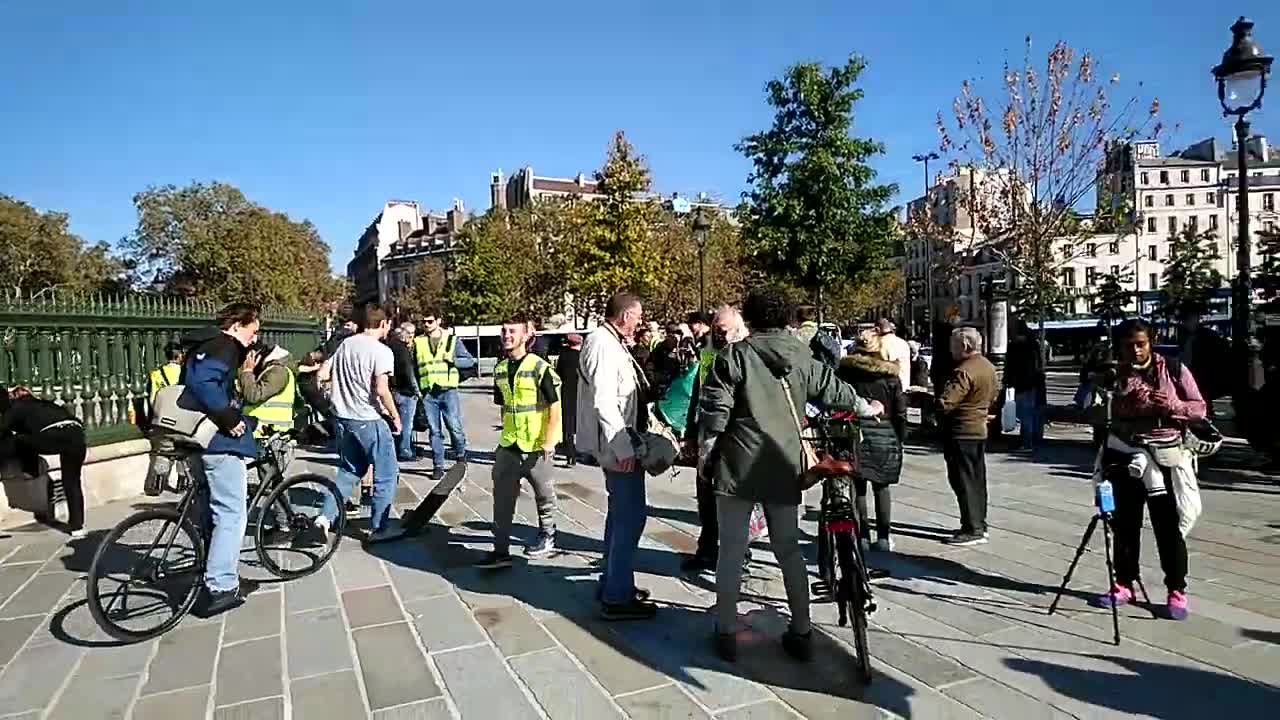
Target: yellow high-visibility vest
{"type": "Point", "coordinates": [277, 410]}
{"type": "Point", "coordinates": [523, 412]}
{"type": "Point", "coordinates": [433, 370]}
{"type": "Point", "coordinates": [706, 358]}
{"type": "Point", "coordinates": [164, 376]}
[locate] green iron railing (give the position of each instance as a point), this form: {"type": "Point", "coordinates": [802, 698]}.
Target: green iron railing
{"type": "Point", "coordinates": [94, 354]}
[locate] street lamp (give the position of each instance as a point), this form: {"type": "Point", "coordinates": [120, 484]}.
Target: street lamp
{"type": "Point", "coordinates": [928, 247]}
{"type": "Point", "coordinates": [1242, 81]}
{"type": "Point", "coordinates": [701, 230]}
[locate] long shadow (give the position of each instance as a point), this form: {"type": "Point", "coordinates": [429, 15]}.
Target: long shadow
{"type": "Point", "coordinates": [950, 572]}
{"type": "Point", "coordinates": [689, 517]}
{"type": "Point", "coordinates": [1150, 689]}
{"type": "Point", "coordinates": [1266, 636]}
{"type": "Point", "coordinates": [677, 643]}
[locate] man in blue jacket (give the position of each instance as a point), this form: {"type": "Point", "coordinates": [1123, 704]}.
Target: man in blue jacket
{"type": "Point", "coordinates": [209, 375]}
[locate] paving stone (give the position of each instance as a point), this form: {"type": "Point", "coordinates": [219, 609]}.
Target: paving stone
{"type": "Point", "coordinates": [604, 656]}
{"type": "Point", "coordinates": [317, 643]}
{"type": "Point", "coordinates": [563, 690]}
{"type": "Point", "coordinates": [14, 634]}
{"type": "Point", "coordinates": [34, 676]}
{"type": "Point", "coordinates": [40, 595]}
{"type": "Point", "coordinates": [335, 696]}
{"type": "Point", "coordinates": [513, 629]}
{"type": "Point", "coordinates": [116, 662]}
{"type": "Point", "coordinates": [258, 617]}
{"type": "Point", "coordinates": [1000, 702]}
{"type": "Point", "coordinates": [664, 703]}
{"type": "Point", "coordinates": [265, 709]}
{"type": "Point", "coordinates": [916, 660]}
{"type": "Point", "coordinates": [312, 592]}
{"type": "Point", "coordinates": [478, 683]}
{"type": "Point", "coordinates": [371, 606]}
{"type": "Point", "coordinates": [767, 710]}
{"type": "Point", "coordinates": [37, 552]}
{"type": "Point", "coordinates": [249, 671]}
{"type": "Point", "coordinates": [355, 569]}
{"type": "Point", "coordinates": [95, 697]}
{"type": "Point", "coordinates": [189, 703]}
{"type": "Point", "coordinates": [414, 583]}
{"type": "Point", "coordinates": [394, 670]}
{"type": "Point", "coordinates": [436, 709]}
{"type": "Point", "coordinates": [444, 623]}
{"type": "Point", "coordinates": [184, 659]}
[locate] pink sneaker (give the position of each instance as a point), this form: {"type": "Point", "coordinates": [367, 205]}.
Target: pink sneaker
{"type": "Point", "coordinates": [1120, 595]}
{"type": "Point", "coordinates": [1178, 605]}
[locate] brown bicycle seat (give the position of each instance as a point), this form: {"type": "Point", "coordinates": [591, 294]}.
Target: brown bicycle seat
{"type": "Point", "coordinates": [829, 466]}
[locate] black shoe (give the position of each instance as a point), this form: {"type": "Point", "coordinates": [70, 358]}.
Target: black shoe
{"type": "Point", "coordinates": [437, 475]}
{"type": "Point", "coordinates": [635, 610]}
{"type": "Point", "coordinates": [726, 646]}
{"type": "Point", "coordinates": [697, 563]}
{"type": "Point", "coordinates": [495, 561]}
{"type": "Point", "coordinates": [966, 539]}
{"type": "Point", "coordinates": [874, 574]}
{"type": "Point", "coordinates": [820, 591]}
{"type": "Point", "coordinates": [798, 646]}
{"type": "Point", "coordinates": [543, 546]}
{"type": "Point", "coordinates": [642, 594]}
{"type": "Point", "coordinates": [218, 602]}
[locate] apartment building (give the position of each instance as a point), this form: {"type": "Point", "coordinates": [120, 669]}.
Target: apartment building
{"type": "Point", "coordinates": [524, 188]}
{"type": "Point", "coordinates": [397, 239]}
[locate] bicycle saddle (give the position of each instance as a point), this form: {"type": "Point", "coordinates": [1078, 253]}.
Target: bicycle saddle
{"type": "Point", "coordinates": [829, 465]}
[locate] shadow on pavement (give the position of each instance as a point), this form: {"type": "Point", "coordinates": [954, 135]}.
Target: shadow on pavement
{"type": "Point", "coordinates": [1265, 636]}
{"type": "Point", "coordinates": [1154, 690]}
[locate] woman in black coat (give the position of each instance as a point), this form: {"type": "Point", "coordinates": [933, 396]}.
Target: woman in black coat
{"type": "Point", "coordinates": [880, 446]}
{"type": "Point", "coordinates": [567, 369]}
{"type": "Point", "coordinates": [30, 427]}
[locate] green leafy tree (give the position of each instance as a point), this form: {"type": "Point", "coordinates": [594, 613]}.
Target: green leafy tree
{"type": "Point", "coordinates": [1190, 275]}
{"type": "Point", "coordinates": [39, 253]}
{"type": "Point", "coordinates": [209, 241]}
{"type": "Point", "coordinates": [814, 215]}
{"type": "Point", "coordinates": [426, 291]}
{"type": "Point", "coordinates": [881, 295]}
{"type": "Point", "coordinates": [724, 267]}
{"type": "Point", "coordinates": [1112, 297]}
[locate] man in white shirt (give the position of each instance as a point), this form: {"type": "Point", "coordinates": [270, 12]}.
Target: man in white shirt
{"type": "Point", "coordinates": [895, 349]}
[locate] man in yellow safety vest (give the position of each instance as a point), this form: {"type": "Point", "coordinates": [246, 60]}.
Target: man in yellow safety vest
{"type": "Point", "coordinates": [162, 444]}
{"type": "Point", "coordinates": [169, 373]}
{"type": "Point", "coordinates": [269, 390]}
{"type": "Point", "coordinates": [528, 389]}
{"type": "Point", "coordinates": [441, 359]}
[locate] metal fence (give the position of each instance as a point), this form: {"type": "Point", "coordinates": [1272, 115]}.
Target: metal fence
{"type": "Point", "coordinates": [94, 354]}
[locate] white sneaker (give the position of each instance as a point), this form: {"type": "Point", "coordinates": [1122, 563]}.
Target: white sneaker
{"type": "Point", "coordinates": [884, 545]}
{"type": "Point", "coordinates": [322, 524]}
{"type": "Point", "coordinates": [79, 534]}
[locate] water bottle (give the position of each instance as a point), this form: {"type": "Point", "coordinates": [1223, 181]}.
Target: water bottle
{"type": "Point", "coordinates": [1106, 499]}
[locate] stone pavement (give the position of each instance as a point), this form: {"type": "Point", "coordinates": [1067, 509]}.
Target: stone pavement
{"type": "Point", "coordinates": [411, 631]}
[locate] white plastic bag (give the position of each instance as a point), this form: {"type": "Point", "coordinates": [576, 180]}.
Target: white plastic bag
{"type": "Point", "coordinates": [759, 528]}
{"type": "Point", "coordinates": [1009, 412]}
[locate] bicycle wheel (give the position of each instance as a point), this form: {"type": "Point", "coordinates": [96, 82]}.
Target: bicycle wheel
{"type": "Point", "coordinates": [145, 579]}
{"type": "Point", "coordinates": [853, 597]}
{"type": "Point", "coordinates": [299, 548]}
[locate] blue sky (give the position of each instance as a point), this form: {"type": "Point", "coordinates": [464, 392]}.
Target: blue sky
{"type": "Point", "coordinates": [325, 110]}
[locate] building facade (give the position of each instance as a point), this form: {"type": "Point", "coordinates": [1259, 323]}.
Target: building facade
{"type": "Point", "coordinates": [400, 237]}
{"type": "Point", "coordinates": [524, 188]}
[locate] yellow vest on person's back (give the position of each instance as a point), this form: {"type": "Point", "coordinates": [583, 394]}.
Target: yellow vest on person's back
{"type": "Point", "coordinates": [433, 370]}
{"type": "Point", "coordinates": [277, 410]}
{"type": "Point", "coordinates": [524, 413]}
{"type": "Point", "coordinates": [706, 358]}
{"type": "Point", "coordinates": [164, 376]}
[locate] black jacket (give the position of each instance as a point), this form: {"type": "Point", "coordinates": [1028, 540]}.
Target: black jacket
{"type": "Point", "coordinates": [880, 447]}
{"type": "Point", "coordinates": [30, 415]}
{"type": "Point", "coordinates": [405, 379]}
{"type": "Point", "coordinates": [567, 369]}
{"type": "Point", "coordinates": [1024, 366]}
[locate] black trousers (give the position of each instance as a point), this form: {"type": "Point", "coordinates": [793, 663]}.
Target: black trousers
{"type": "Point", "coordinates": [709, 538]}
{"type": "Point", "coordinates": [1126, 524]}
{"type": "Point", "coordinates": [967, 473]}
{"type": "Point", "coordinates": [68, 444]}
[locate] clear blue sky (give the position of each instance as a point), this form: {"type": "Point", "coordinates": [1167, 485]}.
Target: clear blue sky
{"type": "Point", "coordinates": [325, 110]}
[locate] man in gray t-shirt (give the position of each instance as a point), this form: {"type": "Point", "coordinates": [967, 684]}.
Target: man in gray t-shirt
{"type": "Point", "coordinates": [366, 418]}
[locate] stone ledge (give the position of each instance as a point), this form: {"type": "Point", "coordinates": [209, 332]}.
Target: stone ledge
{"type": "Point", "coordinates": [111, 472]}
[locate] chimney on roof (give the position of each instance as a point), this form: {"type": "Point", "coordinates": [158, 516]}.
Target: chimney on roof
{"type": "Point", "coordinates": [497, 192]}
{"type": "Point", "coordinates": [1257, 147]}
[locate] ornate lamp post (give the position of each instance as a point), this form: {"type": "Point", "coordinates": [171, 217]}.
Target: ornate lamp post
{"type": "Point", "coordinates": [928, 247]}
{"type": "Point", "coordinates": [1242, 81]}
{"type": "Point", "coordinates": [701, 231]}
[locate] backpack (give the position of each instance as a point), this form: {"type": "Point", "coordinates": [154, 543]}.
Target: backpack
{"type": "Point", "coordinates": [825, 348]}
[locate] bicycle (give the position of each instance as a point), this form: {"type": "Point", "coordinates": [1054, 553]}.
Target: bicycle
{"type": "Point", "coordinates": [842, 570]}
{"type": "Point", "coordinates": [169, 581]}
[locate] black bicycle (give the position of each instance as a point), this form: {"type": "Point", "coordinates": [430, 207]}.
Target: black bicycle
{"type": "Point", "coordinates": [842, 570]}
{"type": "Point", "coordinates": [145, 579]}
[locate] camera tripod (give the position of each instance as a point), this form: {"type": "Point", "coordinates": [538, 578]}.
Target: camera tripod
{"type": "Point", "coordinates": [1103, 517]}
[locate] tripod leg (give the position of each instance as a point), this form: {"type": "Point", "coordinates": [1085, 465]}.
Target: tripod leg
{"type": "Point", "coordinates": [1111, 579]}
{"type": "Point", "coordinates": [1084, 543]}
{"type": "Point", "coordinates": [1143, 588]}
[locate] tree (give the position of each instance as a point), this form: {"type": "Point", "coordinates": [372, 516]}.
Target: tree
{"type": "Point", "coordinates": [1190, 275]}
{"type": "Point", "coordinates": [814, 215]}
{"type": "Point", "coordinates": [724, 267]}
{"type": "Point", "coordinates": [881, 295]}
{"type": "Point", "coordinates": [1033, 155]}
{"type": "Point", "coordinates": [426, 292]}
{"type": "Point", "coordinates": [1112, 297]}
{"type": "Point", "coordinates": [38, 252]}
{"type": "Point", "coordinates": [211, 242]}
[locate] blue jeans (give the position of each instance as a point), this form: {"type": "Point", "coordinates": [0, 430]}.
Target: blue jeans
{"type": "Point", "coordinates": [443, 412]}
{"type": "Point", "coordinates": [628, 512]}
{"type": "Point", "coordinates": [362, 443]}
{"type": "Point", "coordinates": [407, 406]}
{"type": "Point", "coordinates": [226, 512]}
{"type": "Point", "coordinates": [1028, 406]}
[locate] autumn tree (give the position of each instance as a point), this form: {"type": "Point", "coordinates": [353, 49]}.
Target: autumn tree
{"type": "Point", "coordinates": [883, 294]}
{"type": "Point", "coordinates": [211, 242]}
{"type": "Point", "coordinates": [426, 291]}
{"type": "Point", "coordinates": [1034, 149]}
{"type": "Point", "coordinates": [38, 253]}
{"type": "Point", "coordinates": [1190, 275]}
{"type": "Point", "coordinates": [814, 215]}
{"type": "Point", "coordinates": [724, 259]}
{"type": "Point", "coordinates": [1112, 297]}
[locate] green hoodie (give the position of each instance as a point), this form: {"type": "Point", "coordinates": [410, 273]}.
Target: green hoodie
{"type": "Point", "coordinates": [757, 454]}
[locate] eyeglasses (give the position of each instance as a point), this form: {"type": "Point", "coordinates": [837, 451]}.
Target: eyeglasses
{"type": "Point", "coordinates": [429, 321]}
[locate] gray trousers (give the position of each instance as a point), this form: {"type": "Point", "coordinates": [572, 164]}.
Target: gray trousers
{"type": "Point", "coordinates": [510, 466]}
{"type": "Point", "coordinates": [784, 537]}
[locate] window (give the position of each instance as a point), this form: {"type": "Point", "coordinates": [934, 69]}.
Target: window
{"type": "Point", "coordinates": [1213, 222]}
{"type": "Point", "coordinates": [1115, 269]}
{"type": "Point", "coordinates": [1151, 223]}
{"type": "Point", "coordinates": [1269, 201]}
{"type": "Point", "coordinates": [1146, 179]}
{"type": "Point", "coordinates": [1093, 250]}
{"type": "Point", "coordinates": [1204, 175]}
{"type": "Point", "coordinates": [1168, 201]}
{"type": "Point", "coordinates": [1091, 276]}
{"type": "Point", "coordinates": [1209, 199]}
{"type": "Point", "coordinates": [1151, 252]}
{"type": "Point", "coordinates": [1072, 308]}
{"type": "Point", "coordinates": [1186, 176]}
{"type": "Point", "coordinates": [1152, 281]}
{"type": "Point", "coordinates": [1191, 198]}
{"type": "Point", "coordinates": [1113, 248]}
{"type": "Point", "coordinates": [1193, 223]}
{"type": "Point", "coordinates": [1164, 177]}
{"type": "Point", "coordinates": [1148, 201]}
{"type": "Point", "coordinates": [1173, 227]}
{"type": "Point", "coordinates": [404, 228]}
{"type": "Point", "coordinates": [1069, 277]}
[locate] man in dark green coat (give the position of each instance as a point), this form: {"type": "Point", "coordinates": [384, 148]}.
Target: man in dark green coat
{"type": "Point", "coordinates": [751, 407]}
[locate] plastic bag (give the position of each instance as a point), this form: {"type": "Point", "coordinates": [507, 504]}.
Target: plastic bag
{"type": "Point", "coordinates": [1009, 413]}
{"type": "Point", "coordinates": [759, 528]}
